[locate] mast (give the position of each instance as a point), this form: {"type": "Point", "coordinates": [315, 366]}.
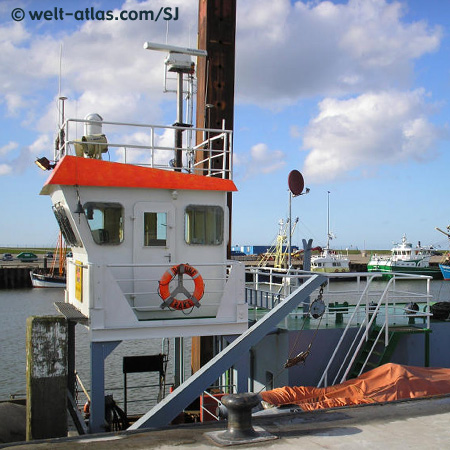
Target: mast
{"type": "Point", "coordinates": [328, 221]}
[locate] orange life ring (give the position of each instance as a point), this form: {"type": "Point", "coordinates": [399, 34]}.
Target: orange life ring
{"type": "Point", "coordinates": [169, 298]}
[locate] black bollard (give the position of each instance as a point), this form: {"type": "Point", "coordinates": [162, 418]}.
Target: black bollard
{"type": "Point", "coordinates": [239, 408]}
{"type": "Point", "coordinates": [240, 429]}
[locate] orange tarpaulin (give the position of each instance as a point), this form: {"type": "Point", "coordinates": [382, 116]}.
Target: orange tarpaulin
{"type": "Point", "coordinates": [383, 384]}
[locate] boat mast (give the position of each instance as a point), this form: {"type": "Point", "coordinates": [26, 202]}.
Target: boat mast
{"type": "Point", "coordinates": [328, 221]}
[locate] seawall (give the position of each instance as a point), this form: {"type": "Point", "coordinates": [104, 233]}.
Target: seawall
{"type": "Point", "coordinates": [15, 277]}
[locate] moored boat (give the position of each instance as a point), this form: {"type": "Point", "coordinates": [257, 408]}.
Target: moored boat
{"type": "Point", "coordinates": [44, 279]}
{"type": "Point", "coordinates": [328, 260]}
{"type": "Point", "coordinates": [445, 270]}
{"type": "Point", "coordinates": [55, 276]}
{"type": "Point", "coordinates": [404, 258]}
{"type": "Point", "coordinates": [445, 265]}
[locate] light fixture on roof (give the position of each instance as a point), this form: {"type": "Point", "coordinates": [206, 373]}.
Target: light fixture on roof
{"type": "Point", "coordinates": [44, 164]}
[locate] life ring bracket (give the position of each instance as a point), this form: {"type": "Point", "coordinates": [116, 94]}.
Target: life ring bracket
{"type": "Point", "coordinates": [169, 298]}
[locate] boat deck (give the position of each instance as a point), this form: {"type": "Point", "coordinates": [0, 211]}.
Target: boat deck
{"type": "Point", "coordinates": [340, 317]}
{"type": "Point", "coordinates": [347, 300]}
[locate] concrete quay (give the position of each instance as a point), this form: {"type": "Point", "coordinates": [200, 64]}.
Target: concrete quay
{"type": "Point", "coordinates": [410, 424]}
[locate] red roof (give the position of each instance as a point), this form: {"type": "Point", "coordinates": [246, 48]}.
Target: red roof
{"type": "Point", "coordinates": [73, 170]}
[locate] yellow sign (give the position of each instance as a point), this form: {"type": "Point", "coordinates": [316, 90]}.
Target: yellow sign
{"type": "Point", "coordinates": [79, 281]}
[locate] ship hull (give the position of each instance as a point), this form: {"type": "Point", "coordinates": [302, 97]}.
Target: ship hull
{"type": "Point", "coordinates": [42, 280]}
{"type": "Point", "coordinates": [445, 270]}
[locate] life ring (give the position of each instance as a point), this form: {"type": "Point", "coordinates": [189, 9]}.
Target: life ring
{"type": "Point", "coordinates": [168, 297]}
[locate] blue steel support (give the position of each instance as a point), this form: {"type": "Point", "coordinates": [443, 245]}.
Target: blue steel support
{"type": "Point", "coordinates": [186, 393]}
{"type": "Point", "coordinates": [242, 366]}
{"type": "Point", "coordinates": [99, 352]}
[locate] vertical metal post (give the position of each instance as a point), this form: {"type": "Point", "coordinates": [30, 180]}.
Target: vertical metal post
{"type": "Point", "coordinates": [179, 362]}
{"type": "Point", "coordinates": [178, 132]}
{"type": "Point", "coordinates": [99, 352]}
{"type": "Point", "coordinates": [307, 246]}
{"type": "Point", "coordinates": [427, 349]}
{"type": "Point", "coordinates": [290, 231]}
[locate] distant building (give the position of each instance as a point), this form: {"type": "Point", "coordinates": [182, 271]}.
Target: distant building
{"type": "Point", "coordinates": [256, 249]}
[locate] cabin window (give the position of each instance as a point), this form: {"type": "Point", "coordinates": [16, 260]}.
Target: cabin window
{"type": "Point", "coordinates": [155, 229]}
{"type": "Point", "coordinates": [105, 221]}
{"type": "Point", "coordinates": [204, 225]}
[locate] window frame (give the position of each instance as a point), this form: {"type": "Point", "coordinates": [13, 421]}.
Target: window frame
{"type": "Point", "coordinates": [105, 238]}
{"type": "Point", "coordinates": [219, 213]}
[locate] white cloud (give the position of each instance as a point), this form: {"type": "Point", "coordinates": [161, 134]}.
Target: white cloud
{"type": "Point", "coordinates": [42, 145]}
{"type": "Point", "coordinates": [5, 169]}
{"type": "Point", "coordinates": [10, 146]}
{"type": "Point", "coordinates": [294, 131]}
{"type": "Point", "coordinates": [310, 48]}
{"type": "Point", "coordinates": [260, 160]}
{"type": "Point", "coordinates": [356, 135]}
{"type": "Point", "coordinates": [104, 66]}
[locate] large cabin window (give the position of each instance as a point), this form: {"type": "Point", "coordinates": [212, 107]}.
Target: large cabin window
{"type": "Point", "coordinates": [155, 229]}
{"type": "Point", "coordinates": [204, 225]}
{"type": "Point", "coordinates": [105, 221]}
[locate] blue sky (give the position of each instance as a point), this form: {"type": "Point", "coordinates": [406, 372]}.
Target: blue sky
{"type": "Point", "coordinates": [354, 94]}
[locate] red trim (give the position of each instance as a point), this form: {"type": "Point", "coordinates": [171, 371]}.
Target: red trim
{"type": "Point", "coordinates": [73, 170]}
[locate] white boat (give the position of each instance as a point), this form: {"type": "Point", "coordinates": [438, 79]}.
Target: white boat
{"type": "Point", "coordinates": [328, 260]}
{"type": "Point", "coordinates": [404, 258]}
{"type": "Point", "coordinates": [55, 276]}
{"type": "Point", "coordinates": [42, 279]}
{"type": "Point", "coordinates": [149, 240]}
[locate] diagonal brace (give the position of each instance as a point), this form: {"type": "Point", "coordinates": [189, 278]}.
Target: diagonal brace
{"type": "Point", "coordinates": [165, 411]}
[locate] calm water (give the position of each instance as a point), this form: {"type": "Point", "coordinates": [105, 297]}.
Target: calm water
{"type": "Point", "coordinates": [16, 305]}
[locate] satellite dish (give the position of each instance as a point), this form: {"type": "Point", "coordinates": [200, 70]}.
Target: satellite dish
{"type": "Point", "coordinates": [296, 182]}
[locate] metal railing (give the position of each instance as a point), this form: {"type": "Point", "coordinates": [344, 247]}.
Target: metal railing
{"type": "Point", "coordinates": [150, 145]}
{"type": "Point", "coordinates": [134, 287]}
{"type": "Point", "coordinates": [365, 314]}
{"type": "Point", "coordinates": [211, 401]}
{"type": "Point", "coordinates": [364, 304]}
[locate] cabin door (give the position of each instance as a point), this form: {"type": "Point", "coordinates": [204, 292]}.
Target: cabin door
{"type": "Point", "coordinates": [153, 238]}
{"type": "Point", "coordinates": [153, 251]}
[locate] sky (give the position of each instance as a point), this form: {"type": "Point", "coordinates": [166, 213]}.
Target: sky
{"type": "Point", "coordinates": [354, 94]}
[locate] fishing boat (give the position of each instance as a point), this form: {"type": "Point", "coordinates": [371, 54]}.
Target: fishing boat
{"type": "Point", "coordinates": [444, 266]}
{"type": "Point", "coordinates": [328, 260]}
{"type": "Point", "coordinates": [55, 275]}
{"type": "Point", "coordinates": [43, 279]}
{"type": "Point", "coordinates": [404, 258]}
{"type": "Point", "coordinates": [445, 270]}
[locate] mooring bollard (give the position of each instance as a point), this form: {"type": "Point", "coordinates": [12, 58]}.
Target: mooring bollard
{"type": "Point", "coordinates": [240, 429]}
{"type": "Point", "coordinates": [239, 408]}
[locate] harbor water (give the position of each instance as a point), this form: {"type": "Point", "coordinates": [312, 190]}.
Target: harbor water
{"type": "Point", "coordinates": [16, 305]}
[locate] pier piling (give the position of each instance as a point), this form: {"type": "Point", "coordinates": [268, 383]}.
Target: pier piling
{"type": "Point", "coordinates": [46, 377]}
